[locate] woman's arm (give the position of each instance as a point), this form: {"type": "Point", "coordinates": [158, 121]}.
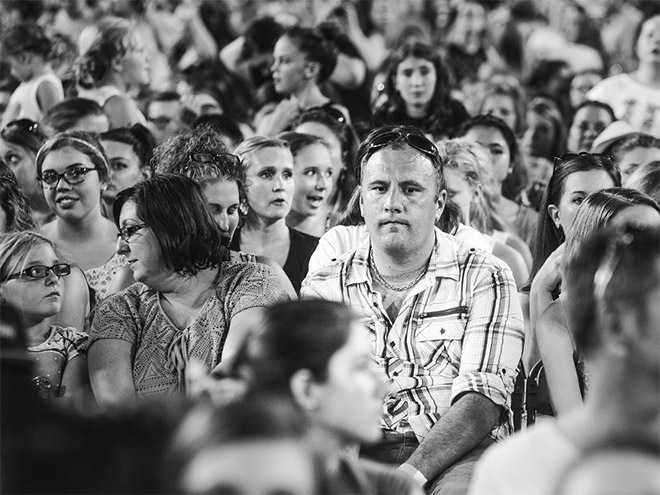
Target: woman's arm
{"type": "Point", "coordinates": [47, 96]}
{"type": "Point", "coordinates": [121, 112]}
{"type": "Point", "coordinates": [75, 379]}
{"type": "Point", "coordinates": [279, 271]}
{"type": "Point", "coordinates": [111, 372]}
{"type": "Point", "coordinates": [556, 348]}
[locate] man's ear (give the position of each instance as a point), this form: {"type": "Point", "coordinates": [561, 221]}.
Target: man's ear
{"type": "Point", "coordinates": [305, 390]}
{"type": "Point", "coordinates": [553, 211]}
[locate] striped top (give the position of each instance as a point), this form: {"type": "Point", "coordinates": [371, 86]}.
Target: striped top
{"type": "Point", "coordinates": [460, 329]}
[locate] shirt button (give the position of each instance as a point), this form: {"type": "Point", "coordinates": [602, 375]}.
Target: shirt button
{"type": "Point", "coordinates": [442, 330]}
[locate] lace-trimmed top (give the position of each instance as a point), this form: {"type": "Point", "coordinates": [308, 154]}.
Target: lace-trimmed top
{"type": "Point", "coordinates": [160, 351]}
{"type": "Point", "coordinates": [99, 278]}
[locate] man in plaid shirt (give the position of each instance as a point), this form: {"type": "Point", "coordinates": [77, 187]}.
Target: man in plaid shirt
{"type": "Point", "coordinates": [444, 318]}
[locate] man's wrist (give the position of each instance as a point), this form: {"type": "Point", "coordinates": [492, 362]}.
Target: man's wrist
{"type": "Point", "coordinates": [414, 473]}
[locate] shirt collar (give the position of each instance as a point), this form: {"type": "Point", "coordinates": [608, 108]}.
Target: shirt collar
{"type": "Point", "coordinates": [443, 263]}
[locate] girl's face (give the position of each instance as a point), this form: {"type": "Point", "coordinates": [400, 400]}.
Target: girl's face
{"type": "Point", "coordinates": [415, 80]}
{"type": "Point", "coordinates": [270, 183]}
{"type": "Point", "coordinates": [22, 163]}
{"type": "Point", "coordinates": [125, 169]}
{"type": "Point", "coordinates": [351, 399]}
{"type": "Point", "coordinates": [580, 86]}
{"type": "Point", "coordinates": [634, 158]}
{"type": "Point", "coordinates": [501, 106]}
{"type": "Point", "coordinates": [135, 64]}
{"type": "Point", "coordinates": [21, 66]}
{"type": "Point", "coordinates": [459, 191]}
{"type": "Point", "coordinates": [313, 172]}
{"type": "Point", "coordinates": [72, 202]}
{"type": "Point", "coordinates": [493, 140]}
{"type": "Point", "coordinates": [35, 299]}
{"type": "Point", "coordinates": [577, 187]}
{"type": "Point", "coordinates": [588, 123]}
{"type": "Point", "coordinates": [225, 202]}
{"type": "Point", "coordinates": [540, 136]}
{"type": "Point", "coordinates": [142, 250]}
{"type": "Point", "coordinates": [289, 67]}
{"type": "Point", "coordinates": [334, 145]}
{"type": "Point", "coordinates": [648, 43]}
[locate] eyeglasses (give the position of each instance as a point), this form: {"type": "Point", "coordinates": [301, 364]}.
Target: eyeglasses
{"type": "Point", "coordinates": [332, 112]}
{"type": "Point", "coordinates": [213, 158]}
{"type": "Point", "coordinates": [24, 125]}
{"type": "Point", "coordinates": [420, 143]}
{"type": "Point", "coordinates": [129, 231]}
{"type": "Point", "coordinates": [640, 240]}
{"type": "Point", "coordinates": [37, 272]}
{"type": "Point", "coordinates": [75, 174]}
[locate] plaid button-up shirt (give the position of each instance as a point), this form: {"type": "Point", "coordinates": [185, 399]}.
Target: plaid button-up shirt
{"type": "Point", "coordinates": [460, 329]}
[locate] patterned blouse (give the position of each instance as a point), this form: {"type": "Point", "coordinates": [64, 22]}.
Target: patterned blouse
{"type": "Point", "coordinates": [52, 356]}
{"type": "Point", "coordinates": [99, 278]}
{"type": "Point", "coordinates": [160, 351]}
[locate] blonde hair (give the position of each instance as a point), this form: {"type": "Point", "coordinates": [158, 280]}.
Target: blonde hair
{"type": "Point", "coordinates": [15, 248]}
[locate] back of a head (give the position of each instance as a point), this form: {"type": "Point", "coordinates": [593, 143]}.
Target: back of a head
{"type": "Point", "coordinates": [25, 133]}
{"type": "Point", "coordinates": [25, 37]}
{"type": "Point", "coordinates": [646, 179]}
{"type": "Point", "coordinates": [66, 114]}
{"type": "Point", "coordinates": [293, 336]}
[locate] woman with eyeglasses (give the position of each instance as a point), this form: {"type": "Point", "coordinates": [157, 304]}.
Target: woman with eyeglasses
{"type": "Point", "coordinates": [191, 303]}
{"type": "Point", "coordinates": [31, 283]}
{"type": "Point", "coordinates": [72, 169]}
{"type": "Point", "coordinates": [574, 177]}
{"type": "Point", "coordinates": [564, 369]}
{"type": "Point", "coordinates": [128, 150]}
{"type": "Point", "coordinates": [418, 93]}
{"type": "Point", "coordinates": [19, 142]}
{"type": "Point", "coordinates": [269, 187]}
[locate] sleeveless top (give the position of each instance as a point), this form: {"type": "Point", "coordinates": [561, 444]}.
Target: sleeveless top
{"type": "Point", "coordinates": [52, 356]}
{"type": "Point", "coordinates": [103, 93]}
{"type": "Point", "coordinates": [25, 95]}
{"type": "Point", "coordinates": [99, 278]}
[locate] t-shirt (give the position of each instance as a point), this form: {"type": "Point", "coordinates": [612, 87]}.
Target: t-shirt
{"type": "Point", "coordinates": [527, 463]}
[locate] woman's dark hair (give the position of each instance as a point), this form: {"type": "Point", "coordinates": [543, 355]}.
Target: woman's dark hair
{"type": "Point", "coordinates": [292, 336]}
{"type": "Point", "coordinates": [26, 37]}
{"type": "Point", "coordinates": [138, 137]}
{"type": "Point", "coordinates": [517, 180]}
{"type": "Point", "coordinates": [67, 113]}
{"type": "Point", "coordinates": [84, 142]}
{"type": "Point", "coordinates": [25, 133]}
{"type": "Point", "coordinates": [14, 203]}
{"type": "Point", "coordinates": [222, 124]}
{"type": "Point", "coordinates": [548, 109]}
{"type": "Point", "coordinates": [315, 47]}
{"type": "Point", "coordinates": [548, 236]}
{"type": "Point", "coordinates": [394, 105]}
{"type": "Point", "coordinates": [175, 210]}
{"type": "Point", "coordinates": [298, 141]}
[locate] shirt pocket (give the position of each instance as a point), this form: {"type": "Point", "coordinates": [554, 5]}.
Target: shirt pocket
{"type": "Point", "coordinates": [439, 337]}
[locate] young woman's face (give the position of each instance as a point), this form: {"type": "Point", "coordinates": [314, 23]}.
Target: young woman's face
{"type": "Point", "coordinates": [125, 166]}
{"type": "Point", "coordinates": [270, 183]}
{"type": "Point", "coordinates": [224, 199]}
{"type": "Point", "coordinates": [288, 67]}
{"type": "Point", "coordinates": [352, 397]}
{"type": "Point", "coordinates": [334, 145]}
{"type": "Point", "coordinates": [493, 140]}
{"type": "Point", "coordinates": [72, 201]}
{"type": "Point", "coordinates": [135, 65]}
{"type": "Point", "coordinates": [589, 122]}
{"type": "Point", "coordinates": [501, 106]}
{"type": "Point", "coordinates": [35, 299]}
{"type": "Point", "coordinates": [648, 43]}
{"type": "Point", "coordinates": [22, 163]}
{"type": "Point", "coordinates": [577, 187]}
{"type": "Point", "coordinates": [580, 86]}
{"type": "Point", "coordinates": [313, 171]}
{"type": "Point", "coordinates": [459, 191]}
{"type": "Point", "coordinates": [415, 80]}
{"type": "Point", "coordinates": [540, 136]}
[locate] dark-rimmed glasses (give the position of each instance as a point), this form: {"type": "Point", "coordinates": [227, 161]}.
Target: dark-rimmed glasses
{"type": "Point", "coordinates": [74, 174]}
{"type": "Point", "coordinates": [37, 272]}
{"type": "Point", "coordinates": [420, 143]}
{"type": "Point", "coordinates": [129, 231]}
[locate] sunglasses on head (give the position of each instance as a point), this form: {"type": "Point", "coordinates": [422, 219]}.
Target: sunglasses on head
{"type": "Point", "coordinates": [23, 125]}
{"type": "Point", "coordinates": [420, 143]}
{"type": "Point", "coordinates": [37, 272]}
{"type": "Point", "coordinates": [572, 156]}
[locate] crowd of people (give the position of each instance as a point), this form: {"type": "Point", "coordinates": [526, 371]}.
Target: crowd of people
{"type": "Point", "coordinates": [357, 246]}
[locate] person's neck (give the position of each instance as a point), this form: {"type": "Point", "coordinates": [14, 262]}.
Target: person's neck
{"type": "Point", "coordinates": [266, 228]}
{"type": "Point", "coordinates": [39, 68]}
{"type": "Point", "coordinates": [328, 444]}
{"type": "Point", "coordinates": [399, 264]}
{"type": "Point", "coordinates": [310, 96]}
{"type": "Point", "coordinates": [191, 291]}
{"type": "Point", "coordinates": [88, 227]}
{"type": "Point", "coordinates": [416, 111]}
{"type": "Point", "coordinates": [114, 79]}
{"type": "Point", "coordinates": [648, 74]}
{"type": "Point", "coordinates": [36, 330]}
{"type": "Point", "coordinates": [309, 224]}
